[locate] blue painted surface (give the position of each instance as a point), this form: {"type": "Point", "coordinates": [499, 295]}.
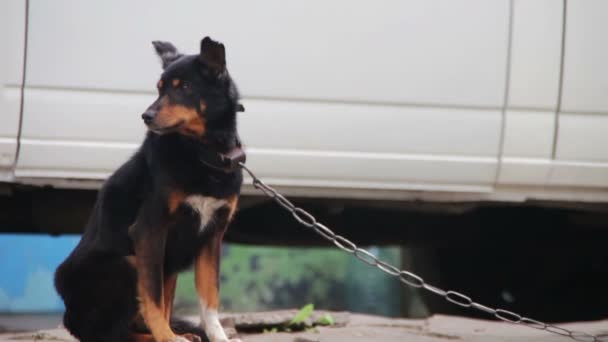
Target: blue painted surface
{"type": "Point", "coordinates": [27, 265]}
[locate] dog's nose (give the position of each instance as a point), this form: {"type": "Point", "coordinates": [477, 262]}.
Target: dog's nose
{"type": "Point", "coordinates": [147, 116]}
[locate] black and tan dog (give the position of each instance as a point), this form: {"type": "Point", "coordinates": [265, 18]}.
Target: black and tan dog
{"type": "Point", "coordinates": [162, 211]}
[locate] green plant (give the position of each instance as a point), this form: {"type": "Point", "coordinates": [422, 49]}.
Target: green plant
{"type": "Point", "coordinates": [326, 320]}
{"type": "Point", "coordinates": [302, 315]}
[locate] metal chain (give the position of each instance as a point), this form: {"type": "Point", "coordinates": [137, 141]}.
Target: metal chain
{"type": "Point", "coordinates": [409, 278]}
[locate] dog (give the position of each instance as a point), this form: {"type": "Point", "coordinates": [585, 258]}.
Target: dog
{"type": "Point", "coordinates": [164, 210]}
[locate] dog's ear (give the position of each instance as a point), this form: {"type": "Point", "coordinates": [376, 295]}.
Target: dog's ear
{"type": "Point", "coordinates": [166, 51]}
{"type": "Point", "coordinates": [213, 55]}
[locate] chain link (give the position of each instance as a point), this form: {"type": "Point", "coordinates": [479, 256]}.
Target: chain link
{"type": "Point", "coordinates": [309, 221]}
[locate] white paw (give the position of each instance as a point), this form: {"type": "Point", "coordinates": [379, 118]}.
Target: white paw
{"type": "Point", "coordinates": [212, 326]}
{"type": "Point", "coordinates": [180, 339]}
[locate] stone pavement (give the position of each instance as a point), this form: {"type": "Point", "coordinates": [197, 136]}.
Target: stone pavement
{"type": "Point", "coordinates": [372, 328]}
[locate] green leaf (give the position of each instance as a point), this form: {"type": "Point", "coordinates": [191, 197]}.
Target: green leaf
{"type": "Point", "coordinates": [303, 314]}
{"type": "Point", "coordinates": [326, 320]}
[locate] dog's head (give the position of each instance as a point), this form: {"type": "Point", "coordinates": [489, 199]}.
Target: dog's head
{"type": "Point", "coordinates": [195, 92]}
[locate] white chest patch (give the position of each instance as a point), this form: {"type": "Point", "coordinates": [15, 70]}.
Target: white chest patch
{"type": "Point", "coordinates": [205, 206]}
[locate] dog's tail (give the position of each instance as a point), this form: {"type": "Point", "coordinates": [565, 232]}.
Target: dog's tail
{"type": "Point", "coordinates": [182, 326]}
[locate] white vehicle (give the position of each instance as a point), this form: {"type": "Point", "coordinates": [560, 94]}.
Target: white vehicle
{"type": "Point", "coordinates": [438, 100]}
{"type": "Point", "coordinates": [354, 107]}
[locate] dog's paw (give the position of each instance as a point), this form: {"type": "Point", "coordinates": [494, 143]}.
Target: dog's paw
{"type": "Point", "coordinates": [187, 338]}
{"type": "Point", "coordinates": [192, 337]}
{"type": "Point", "coordinates": [226, 340]}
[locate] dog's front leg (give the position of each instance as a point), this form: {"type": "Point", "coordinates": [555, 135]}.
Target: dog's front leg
{"type": "Point", "coordinates": [207, 286]}
{"type": "Point", "coordinates": [149, 252]}
{"type": "Point", "coordinates": [149, 235]}
{"type": "Point", "coordinates": [169, 294]}
{"type": "Point", "coordinates": [207, 272]}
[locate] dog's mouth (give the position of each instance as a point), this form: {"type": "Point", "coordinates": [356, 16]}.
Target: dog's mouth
{"type": "Point", "coordinates": [168, 129]}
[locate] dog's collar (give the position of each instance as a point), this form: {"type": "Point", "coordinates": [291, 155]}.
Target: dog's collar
{"type": "Point", "coordinates": [227, 162]}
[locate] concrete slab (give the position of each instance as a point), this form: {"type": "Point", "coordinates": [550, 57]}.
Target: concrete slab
{"type": "Point", "coordinates": [373, 328]}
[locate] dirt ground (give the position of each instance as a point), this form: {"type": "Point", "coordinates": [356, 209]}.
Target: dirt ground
{"type": "Point", "coordinates": [372, 328]}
